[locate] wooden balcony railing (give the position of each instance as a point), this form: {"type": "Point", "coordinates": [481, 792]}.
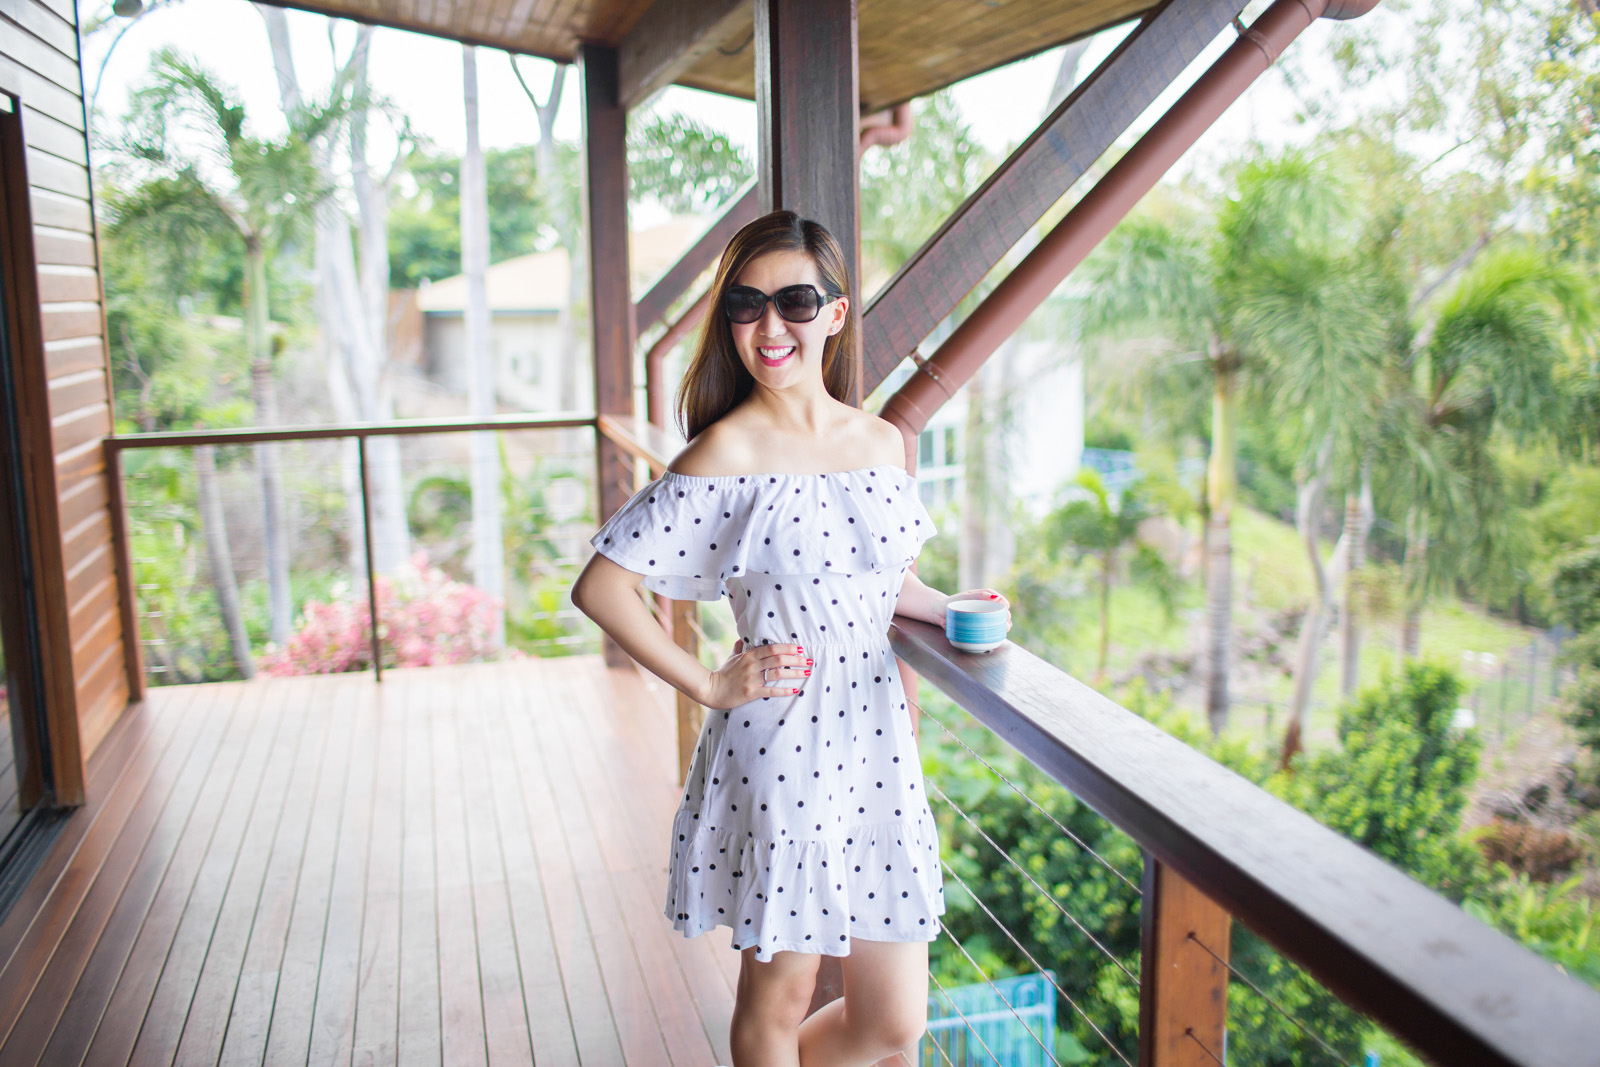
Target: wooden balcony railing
{"type": "Point", "coordinates": [1216, 845]}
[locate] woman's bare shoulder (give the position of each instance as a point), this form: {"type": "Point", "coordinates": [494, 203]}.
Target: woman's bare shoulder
{"type": "Point", "coordinates": [889, 444]}
{"type": "Point", "coordinates": [717, 450]}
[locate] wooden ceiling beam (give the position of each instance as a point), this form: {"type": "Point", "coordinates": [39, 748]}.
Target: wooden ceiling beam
{"type": "Point", "coordinates": [669, 39]}
{"type": "Point", "coordinates": [994, 218]}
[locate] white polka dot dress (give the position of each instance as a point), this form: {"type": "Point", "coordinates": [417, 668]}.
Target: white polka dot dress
{"type": "Point", "coordinates": [803, 822]}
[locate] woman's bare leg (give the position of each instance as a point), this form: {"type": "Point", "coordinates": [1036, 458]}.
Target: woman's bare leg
{"type": "Point", "coordinates": [883, 1011]}
{"type": "Point", "coordinates": [767, 1010]}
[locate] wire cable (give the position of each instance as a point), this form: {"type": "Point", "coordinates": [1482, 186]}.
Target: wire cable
{"type": "Point", "coordinates": [1076, 839]}
{"type": "Point", "coordinates": [1037, 1040]}
{"type": "Point", "coordinates": [1036, 966]}
{"type": "Point", "coordinates": [1329, 1049]}
{"type": "Point", "coordinates": [1035, 883]}
{"type": "Point", "coordinates": [963, 1018]}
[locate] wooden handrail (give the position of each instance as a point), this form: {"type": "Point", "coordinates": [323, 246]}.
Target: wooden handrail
{"type": "Point", "coordinates": [1457, 990]}
{"type": "Point", "coordinates": [390, 428]}
{"type": "Point", "coordinates": [642, 439]}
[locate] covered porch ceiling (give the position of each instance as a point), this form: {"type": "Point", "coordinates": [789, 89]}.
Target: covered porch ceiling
{"type": "Point", "coordinates": [908, 48]}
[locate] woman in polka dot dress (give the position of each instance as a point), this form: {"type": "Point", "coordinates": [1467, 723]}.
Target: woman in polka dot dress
{"type": "Point", "coordinates": [802, 826]}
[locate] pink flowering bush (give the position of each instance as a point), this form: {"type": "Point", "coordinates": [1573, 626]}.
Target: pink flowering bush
{"type": "Point", "coordinates": [424, 619]}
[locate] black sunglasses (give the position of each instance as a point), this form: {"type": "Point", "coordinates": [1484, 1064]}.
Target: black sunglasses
{"type": "Point", "coordinates": [796, 303]}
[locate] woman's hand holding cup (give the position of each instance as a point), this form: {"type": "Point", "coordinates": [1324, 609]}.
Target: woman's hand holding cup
{"type": "Point", "coordinates": [763, 671]}
{"type": "Point", "coordinates": [972, 619]}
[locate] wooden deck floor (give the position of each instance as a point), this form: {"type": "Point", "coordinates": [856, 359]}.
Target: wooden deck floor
{"type": "Point", "coordinates": [462, 865]}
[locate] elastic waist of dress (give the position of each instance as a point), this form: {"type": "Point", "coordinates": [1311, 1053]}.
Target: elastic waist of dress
{"type": "Point", "coordinates": [863, 643]}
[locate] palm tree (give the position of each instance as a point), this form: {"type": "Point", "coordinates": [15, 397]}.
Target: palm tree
{"type": "Point", "coordinates": [1094, 524]}
{"type": "Point", "coordinates": [1194, 290]}
{"type": "Point", "coordinates": [1489, 363]}
{"type": "Point", "coordinates": [1309, 299]}
{"type": "Point", "coordinates": [259, 191]}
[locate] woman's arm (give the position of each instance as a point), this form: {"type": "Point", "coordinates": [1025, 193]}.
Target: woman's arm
{"type": "Point", "coordinates": [609, 594]}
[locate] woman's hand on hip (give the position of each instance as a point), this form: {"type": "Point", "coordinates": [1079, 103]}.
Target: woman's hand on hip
{"type": "Point", "coordinates": [760, 672]}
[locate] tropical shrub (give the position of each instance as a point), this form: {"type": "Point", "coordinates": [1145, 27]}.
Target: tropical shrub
{"type": "Point", "coordinates": [425, 619]}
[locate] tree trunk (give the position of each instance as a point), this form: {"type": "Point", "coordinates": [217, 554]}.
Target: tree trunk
{"type": "Point", "coordinates": [1308, 515]}
{"type": "Point", "coordinates": [264, 390]}
{"type": "Point", "coordinates": [355, 339]}
{"type": "Point", "coordinates": [488, 551]}
{"type": "Point", "coordinates": [1357, 523]}
{"type": "Point", "coordinates": [1108, 563]}
{"type": "Point", "coordinates": [1414, 582]}
{"type": "Point", "coordinates": [1221, 490]}
{"type": "Point", "coordinates": [215, 530]}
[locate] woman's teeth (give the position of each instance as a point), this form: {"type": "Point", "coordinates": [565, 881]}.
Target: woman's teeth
{"type": "Point", "coordinates": [772, 357]}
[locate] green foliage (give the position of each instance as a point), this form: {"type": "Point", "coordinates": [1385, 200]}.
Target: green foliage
{"type": "Point", "coordinates": [1399, 781]}
{"type": "Point", "coordinates": [1575, 587]}
{"type": "Point", "coordinates": [909, 189]}
{"type": "Point", "coordinates": [683, 164]}
{"type": "Point", "coordinates": [526, 213]}
{"type": "Point", "coordinates": [1105, 906]}
{"type": "Point", "coordinates": [1557, 921]}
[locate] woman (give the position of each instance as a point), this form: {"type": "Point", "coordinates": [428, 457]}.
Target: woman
{"type": "Point", "coordinates": [803, 825]}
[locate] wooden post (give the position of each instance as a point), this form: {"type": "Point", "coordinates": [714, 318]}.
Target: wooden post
{"type": "Point", "coordinates": [808, 108]}
{"type": "Point", "coordinates": [1183, 989]}
{"type": "Point", "coordinates": [807, 119]}
{"type": "Point", "coordinates": [605, 188]}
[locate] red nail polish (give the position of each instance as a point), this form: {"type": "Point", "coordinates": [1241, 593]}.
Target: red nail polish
{"type": "Point", "coordinates": [808, 674]}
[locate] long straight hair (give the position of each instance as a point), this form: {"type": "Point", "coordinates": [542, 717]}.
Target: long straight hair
{"type": "Point", "coordinates": [716, 379]}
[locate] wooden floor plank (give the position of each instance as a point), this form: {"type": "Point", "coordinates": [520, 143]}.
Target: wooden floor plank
{"type": "Point", "coordinates": [634, 867]}
{"type": "Point", "coordinates": [645, 784]}
{"type": "Point", "coordinates": [127, 756]}
{"type": "Point", "coordinates": [626, 986]}
{"type": "Point", "coordinates": [110, 761]}
{"type": "Point", "coordinates": [594, 1028]}
{"type": "Point", "coordinates": [334, 1017]}
{"type": "Point", "coordinates": [123, 1018]}
{"type": "Point", "coordinates": [122, 868]}
{"type": "Point", "coordinates": [458, 866]}
{"type": "Point", "coordinates": [461, 1004]}
{"type": "Point", "coordinates": [418, 1041]}
{"type": "Point", "coordinates": [549, 1012]}
{"type": "Point", "coordinates": [378, 989]}
{"type": "Point", "coordinates": [289, 1037]}
{"type": "Point", "coordinates": [507, 1037]}
{"type": "Point", "coordinates": [174, 992]}
{"type": "Point", "coordinates": [61, 913]}
{"type": "Point", "coordinates": [248, 1024]}
{"type": "Point", "coordinates": [212, 1003]}
{"type": "Point", "coordinates": [646, 707]}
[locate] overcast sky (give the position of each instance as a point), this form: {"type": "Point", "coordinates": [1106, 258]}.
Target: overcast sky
{"type": "Point", "coordinates": [422, 76]}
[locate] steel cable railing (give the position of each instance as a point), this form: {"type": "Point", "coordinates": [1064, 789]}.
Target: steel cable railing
{"type": "Point", "coordinates": [1030, 958]}
{"type": "Point", "coordinates": [1333, 1055]}
{"type": "Point", "coordinates": [963, 1017]}
{"type": "Point", "coordinates": [1042, 891]}
{"type": "Point", "coordinates": [1107, 864]}
{"type": "Point", "coordinates": [934, 788]}
{"type": "Point", "coordinates": [1049, 1053]}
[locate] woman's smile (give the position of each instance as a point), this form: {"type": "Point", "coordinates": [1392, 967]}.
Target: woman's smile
{"type": "Point", "coordinates": [775, 355]}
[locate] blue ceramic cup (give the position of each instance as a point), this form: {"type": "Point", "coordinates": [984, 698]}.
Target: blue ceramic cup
{"type": "Point", "coordinates": [975, 625]}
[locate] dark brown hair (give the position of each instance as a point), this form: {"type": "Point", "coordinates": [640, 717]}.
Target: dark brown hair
{"type": "Point", "coordinates": [716, 379]}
